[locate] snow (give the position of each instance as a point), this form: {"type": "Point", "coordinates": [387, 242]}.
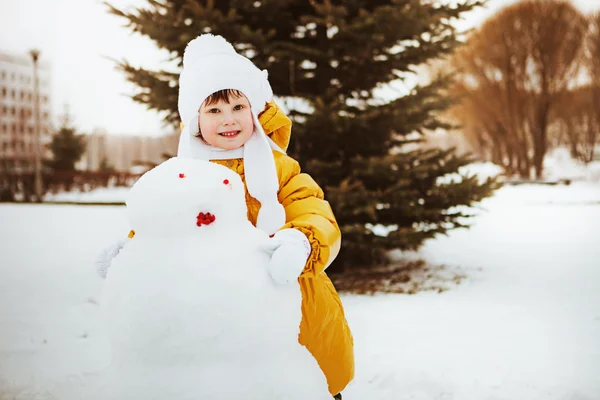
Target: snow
{"type": "Point", "coordinates": [558, 164]}
{"type": "Point", "coordinates": [483, 171]}
{"type": "Point", "coordinates": [100, 195]}
{"type": "Point", "coordinates": [525, 324]}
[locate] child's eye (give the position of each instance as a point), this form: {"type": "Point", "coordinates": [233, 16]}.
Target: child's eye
{"type": "Point", "coordinates": [213, 110]}
{"type": "Point", "coordinates": [238, 107]}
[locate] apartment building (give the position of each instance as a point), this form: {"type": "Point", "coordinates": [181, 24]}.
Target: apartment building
{"type": "Point", "coordinates": [17, 119]}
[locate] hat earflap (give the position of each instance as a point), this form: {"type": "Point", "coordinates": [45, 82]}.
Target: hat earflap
{"type": "Point", "coordinates": [262, 181]}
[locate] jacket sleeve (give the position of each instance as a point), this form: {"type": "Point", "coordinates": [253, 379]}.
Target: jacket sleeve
{"type": "Point", "coordinates": [308, 211]}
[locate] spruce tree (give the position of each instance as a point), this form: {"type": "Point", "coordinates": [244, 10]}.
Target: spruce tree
{"type": "Point", "coordinates": [67, 146]}
{"type": "Point", "coordinates": [332, 55]}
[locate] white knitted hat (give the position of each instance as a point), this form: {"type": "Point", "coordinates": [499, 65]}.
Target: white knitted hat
{"type": "Point", "coordinates": [210, 64]}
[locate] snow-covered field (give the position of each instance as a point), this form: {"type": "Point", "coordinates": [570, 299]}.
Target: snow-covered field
{"type": "Point", "coordinates": [524, 325]}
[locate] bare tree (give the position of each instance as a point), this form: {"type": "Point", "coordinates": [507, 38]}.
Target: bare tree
{"type": "Point", "coordinates": [575, 122]}
{"type": "Point", "coordinates": [512, 72]}
{"type": "Point", "coordinates": [593, 67]}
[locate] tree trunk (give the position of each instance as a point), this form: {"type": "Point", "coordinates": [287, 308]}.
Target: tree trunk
{"type": "Point", "coordinates": [572, 135]}
{"type": "Point", "coordinates": [540, 142]}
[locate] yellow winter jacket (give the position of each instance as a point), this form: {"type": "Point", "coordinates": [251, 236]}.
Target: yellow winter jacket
{"type": "Point", "coordinates": [323, 329]}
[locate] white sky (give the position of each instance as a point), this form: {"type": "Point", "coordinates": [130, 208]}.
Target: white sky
{"type": "Point", "coordinates": [76, 36]}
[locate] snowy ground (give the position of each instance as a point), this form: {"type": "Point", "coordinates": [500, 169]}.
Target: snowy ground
{"type": "Point", "coordinates": [524, 325]}
{"type": "Point", "coordinates": [100, 195]}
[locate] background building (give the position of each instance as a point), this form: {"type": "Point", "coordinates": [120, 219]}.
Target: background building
{"type": "Point", "coordinates": [17, 119]}
{"type": "Point", "coordinates": [126, 152]}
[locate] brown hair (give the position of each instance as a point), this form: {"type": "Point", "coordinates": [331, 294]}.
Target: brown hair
{"type": "Point", "coordinates": [221, 95]}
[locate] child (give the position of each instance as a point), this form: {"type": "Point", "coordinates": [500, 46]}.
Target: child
{"type": "Point", "coordinates": [225, 103]}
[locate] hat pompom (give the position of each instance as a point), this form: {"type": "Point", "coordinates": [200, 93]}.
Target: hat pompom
{"type": "Point", "coordinates": [205, 45]}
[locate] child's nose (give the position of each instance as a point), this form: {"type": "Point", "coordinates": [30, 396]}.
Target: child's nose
{"type": "Point", "coordinates": [228, 119]}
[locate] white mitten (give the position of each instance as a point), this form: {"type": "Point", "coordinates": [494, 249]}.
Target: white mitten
{"type": "Point", "coordinates": [106, 256]}
{"type": "Point", "coordinates": [291, 250]}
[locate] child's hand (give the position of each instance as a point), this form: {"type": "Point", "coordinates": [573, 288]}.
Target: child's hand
{"type": "Point", "coordinates": [106, 256]}
{"type": "Point", "coordinates": [290, 250]}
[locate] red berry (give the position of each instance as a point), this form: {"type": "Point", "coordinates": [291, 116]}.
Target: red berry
{"type": "Point", "coordinates": [205, 219]}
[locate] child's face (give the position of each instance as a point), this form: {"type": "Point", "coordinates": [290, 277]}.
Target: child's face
{"type": "Point", "coordinates": [226, 126]}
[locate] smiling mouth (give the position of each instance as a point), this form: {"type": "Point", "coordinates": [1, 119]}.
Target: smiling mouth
{"type": "Point", "coordinates": [229, 134]}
